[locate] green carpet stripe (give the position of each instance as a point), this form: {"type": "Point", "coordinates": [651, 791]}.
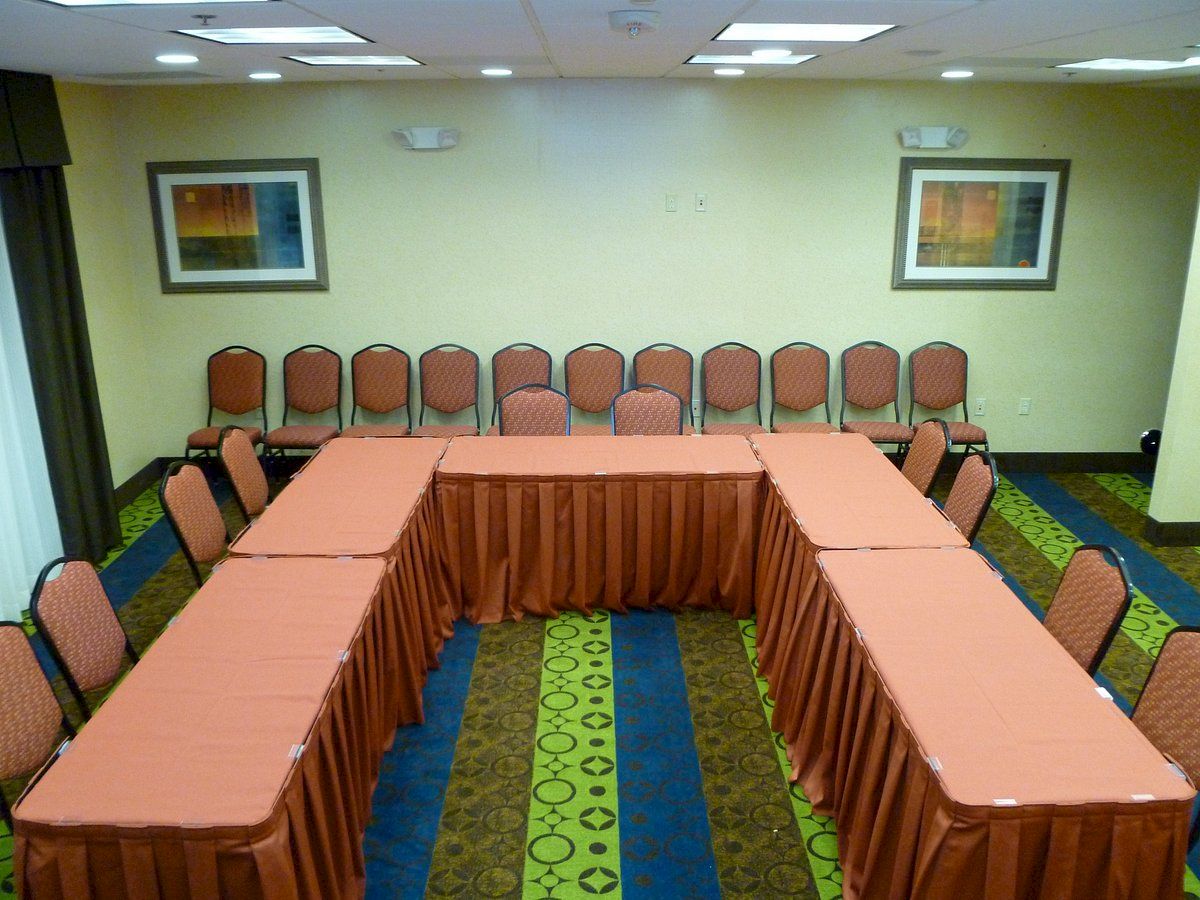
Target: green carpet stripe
{"type": "Point", "coordinates": [1132, 490]}
{"type": "Point", "coordinates": [135, 518]}
{"type": "Point", "coordinates": [480, 848]}
{"type": "Point", "coordinates": [820, 832]}
{"type": "Point", "coordinates": [573, 845]}
{"type": "Point", "coordinates": [1146, 625]}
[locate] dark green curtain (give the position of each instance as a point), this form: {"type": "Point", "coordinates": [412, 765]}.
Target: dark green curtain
{"type": "Point", "coordinates": [41, 249]}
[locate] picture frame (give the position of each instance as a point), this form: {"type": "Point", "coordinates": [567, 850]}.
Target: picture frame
{"type": "Point", "coordinates": [238, 225]}
{"type": "Point", "coordinates": [983, 224]}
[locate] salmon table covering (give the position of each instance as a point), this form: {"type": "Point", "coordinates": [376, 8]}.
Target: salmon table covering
{"type": "Point", "coordinates": [542, 524]}
{"type": "Point", "coordinates": [962, 750]}
{"type": "Point", "coordinates": [826, 491]}
{"type": "Point", "coordinates": [367, 497]}
{"type": "Point", "coordinates": [237, 759]}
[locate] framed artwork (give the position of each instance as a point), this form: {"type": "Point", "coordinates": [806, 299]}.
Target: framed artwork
{"type": "Point", "coordinates": [979, 223]}
{"type": "Point", "coordinates": [238, 225]}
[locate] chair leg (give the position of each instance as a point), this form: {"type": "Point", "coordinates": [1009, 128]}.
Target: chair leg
{"type": "Point", "coordinates": [5, 812]}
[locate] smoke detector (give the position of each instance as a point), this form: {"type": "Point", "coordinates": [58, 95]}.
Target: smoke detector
{"type": "Point", "coordinates": [633, 21]}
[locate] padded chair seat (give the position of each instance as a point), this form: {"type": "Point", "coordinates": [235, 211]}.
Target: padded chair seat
{"type": "Point", "coordinates": [300, 437]}
{"type": "Point", "coordinates": [743, 428]}
{"type": "Point", "coordinates": [966, 433]}
{"type": "Point", "coordinates": [805, 428]}
{"type": "Point", "coordinates": [360, 431]}
{"type": "Point", "coordinates": [591, 429]}
{"type": "Point", "coordinates": [206, 438]}
{"type": "Point", "coordinates": [445, 431]}
{"type": "Point", "coordinates": [881, 432]}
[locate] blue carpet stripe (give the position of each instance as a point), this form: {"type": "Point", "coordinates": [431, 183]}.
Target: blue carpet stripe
{"type": "Point", "coordinates": [1172, 594]}
{"type": "Point", "coordinates": [407, 805]}
{"type": "Point", "coordinates": [666, 847]}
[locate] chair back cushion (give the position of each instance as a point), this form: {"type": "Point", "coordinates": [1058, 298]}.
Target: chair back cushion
{"type": "Point", "coordinates": [939, 376]}
{"type": "Point", "coordinates": [731, 375]}
{"type": "Point", "coordinates": [312, 378]}
{"type": "Point", "coordinates": [800, 373]}
{"type": "Point", "coordinates": [869, 373]}
{"type": "Point", "coordinates": [190, 504]}
{"type": "Point", "coordinates": [925, 454]}
{"type": "Point", "coordinates": [1168, 712]}
{"type": "Point", "coordinates": [669, 367]}
{"type": "Point", "coordinates": [534, 410]}
{"type": "Point", "coordinates": [30, 716]}
{"type": "Point", "coordinates": [244, 470]}
{"type": "Point", "coordinates": [646, 409]}
{"type": "Point", "coordinates": [380, 376]}
{"type": "Point", "coordinates": [236, 377]}
{"type": "Point", "coordinates": [519, 365]}
{"type": "Point", "coordinates": [79, 620]}
{"type": "Point", "coordinates": [595, 374]}
{"type": "Point", "coordinates": [971, 494]}
{"type": "Point", "coordinates": [1089, 599]}
{"type": "Point", "coordinates": [449, 378]}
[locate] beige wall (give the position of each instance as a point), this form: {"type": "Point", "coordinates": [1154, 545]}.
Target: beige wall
{"type": "Point", "coordinates": [547, 224]}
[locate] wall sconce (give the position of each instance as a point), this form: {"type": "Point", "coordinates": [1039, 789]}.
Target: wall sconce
{"type": "Point", "coordinates": [426, 137]}
{"type": "Point", "coordinates": [932, 137]}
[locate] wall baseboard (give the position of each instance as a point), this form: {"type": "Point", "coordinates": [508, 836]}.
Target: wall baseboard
{"type": "Point", "coordinates": [1073, 462]}
{"type": "Point", "coordinates": [1172, 534]}
{"type": "Point", "coordinates": [143, 478]}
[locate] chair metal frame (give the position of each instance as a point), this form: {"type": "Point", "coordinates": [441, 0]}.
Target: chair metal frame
{"type": "Point", "coordinates": [612, 408]}
{"type": "Point", "coordinates": [408, 380]}
{"type": "Point", "coordinates": [421, 369]}
{"type": "Point", "coordinates": [543, 387]}
{"type": "Point", "coordinates": [775, 402]}
{"type": "Point", "coordinates": [516, 346]}
{"type": "Point", "coordinates": [704, 382]}
{"type": "Point", "coordinates": [236, 495]}
{"type": "Point", "coordinates": [946, 438]}
{"type": "Point", "coordinates": [262, 360]}
{"type": "Point", "coordinates": [36, 615]}
{"type": "Point", "coordinates": [896, 397]}
{"type": "Point", "coordinates": [171, 470]}
{"type": "Point", "coordinates": [567, 369]}
{"type": "Point", "coordinates": [1114, 559]}
{"type": "Point", "coordinates": [654, 348]}
{"type": "Point", "coordinates": [991, 464]}
{"type": "Point", "coordinates": [912, 393]}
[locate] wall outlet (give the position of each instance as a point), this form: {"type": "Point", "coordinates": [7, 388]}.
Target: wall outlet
{"type": "Point", "coordinates": [1023, 406]}
{"type": "Point", "coordinates": [980, 406]}
{"type": "Point", "coordinates": [672, 202]}
{"type": "Point", "coordinates": [702, 203]}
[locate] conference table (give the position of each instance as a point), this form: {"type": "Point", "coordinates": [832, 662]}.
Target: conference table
{"type": "Point", "coordinates": [543, 524]}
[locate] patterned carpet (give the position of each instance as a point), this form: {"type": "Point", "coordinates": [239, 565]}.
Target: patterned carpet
{"type": "Point", "coordinates": [631, 755]}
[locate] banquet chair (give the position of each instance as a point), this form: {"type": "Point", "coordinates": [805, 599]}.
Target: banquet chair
{"type": "Point", "coordinates": [312, 384]}
{"type": "Point", "coordinates": [1168, 710]}
{"type": "Point", "coordinates": [449, 384]}
{"type": "Point", "coordinates": [189, 506]}
{"type": "Point", "coordinates": [1092, 599]}
{"type": "Point", "coordinates": [76, 619]}
{"type": "Point", "coordinates": [244, 471]}
{"type": "Point", "coordinates": [800, 382]}
{"type": "Point", "coordinates": [729, 381]}
{"type": "Point", "coordinates": [515, 366]}
{"type": "Point", "coordinates": [30, 717]}
{"type": "Point", "coordinates": [971, 494]}
{"type": "Point", "coordinates": [871, 380]}
{"type": "Point", "coordinates": [937, 380]}
{"type": "Point", "coordinates": [670, 367]}
{"type": "Point", "coordinates": [595, 374]}
{"type": "Point", "coordinates": [929, 447]}
{"type": "Point", "coordinates": [379, 380]}
{"type": "Point", "coordinates": [647, 409]}
{"type": "Point", "coordinates": [236, 387]}
{"type": "Point", "coordinates": [535, 410]}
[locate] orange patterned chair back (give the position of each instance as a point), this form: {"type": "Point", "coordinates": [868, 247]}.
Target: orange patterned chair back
{"type": "Point", "coordinates": [729, 378]}
{"type": "Point", "coordinates": [30, 717]}
{"type": "Point", "coordinates": [515, 366]}
{"type": "Point", "coordinates": [535, 410]}
{"type": "Point", "coordinates": [971, 494]}
{"type": "Point", "coordinates": [937, 377]}
{"type": "Point", "coordinates": [1090, 603]}
{"type": "Point", "coordinates": [312, 381]}
{"type": "Point", "coordinates": [925, 454]}
{"type": "Point", "coordinates": [595, 373]}
{"type": "Point", "coordinates": [76, 619]}
{"type": "Point", "coordinates": [668, 366]}
{"type": "Point", "coordinates": [799, 378]}
{"type": "Point", "coordinates": [870, 376]}
{"type": "Point", "coordinates": [187, 502]}
{"type": "Point", "coordinates": [449, 380]}
{"type": "Point", "coordinates": [236, 381]}
{"type": "Point", "coordinates": [647, 409]}
{"type": "Point", "coordinates": [244, 471]}
{"type": "Point", "coordinates": [379, 377]}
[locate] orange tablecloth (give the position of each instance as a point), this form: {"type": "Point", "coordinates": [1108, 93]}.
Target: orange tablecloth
{"type": "Point", "coordinates": [962, 750]}
{"type": "Point", "coordinates": [237, 758]}
{"type": "Point", "coordinates": [542, 524]}
{"type": "Point", "coordinates": [366, 497]}
{"type": "Point", "coordinates": [827, 491]}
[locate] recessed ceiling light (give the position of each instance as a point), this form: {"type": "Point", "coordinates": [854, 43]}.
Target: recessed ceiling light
{"type": "Point", "coordinates": [729, 72]}
{"type": "Point", "coordinates": [176, 59]}
{"type": "Point", "coordinates": [146, 2]}
{"type": "Point", "coordinates": [318, 34]}
{"type": "Point", "coordinates": [1132, 65]}
{"type": "Point", "coordinates": [265, 76]}
{"type": "Point", "coordinates": [356, 60]}
{"type": "Point", "coordinates": [957, 73]}
{"type": "Point", "coordinates": [771, 53]}
{"type": "Point", "coordinates": [495, 73]}
{"type": "Point", "coordinates": [709, 59]}
{"type": "Point", "coordinates": [796, 33]}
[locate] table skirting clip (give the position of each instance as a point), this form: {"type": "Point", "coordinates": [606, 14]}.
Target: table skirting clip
{"type": "Point", "coordinates": [295, 751]}
{"type": "Point", "coordinates": [934, 763]}
{"type": "Point", "coordinates": [1004, 801]}
{"type": "Point", "coordinates": [1141, 798]}
{"type": "Point", "coordinates": [1103, 693]}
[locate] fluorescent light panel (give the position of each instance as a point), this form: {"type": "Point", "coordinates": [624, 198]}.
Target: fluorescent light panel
{"type": "Point", "coordinates": [146, 2]}
{"type": "Point", "coordinates": [356, 60]}
{"type": "Point", "coordinates": [1132, 65]}
{"type": "Point", "coordinates": [799, 33]}
{"type": "Point", "coordinates": [318, 34]}
{"type": "Point", "coordinates": [718, 60]}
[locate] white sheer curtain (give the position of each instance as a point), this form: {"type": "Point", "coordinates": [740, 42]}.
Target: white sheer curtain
{"type": "Point", "coordinates": [29, 536]}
